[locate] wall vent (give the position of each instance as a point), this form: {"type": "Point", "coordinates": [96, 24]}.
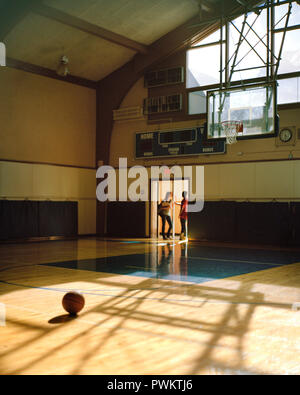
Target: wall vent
{"type": "Point", "coordinates": [163, 77]}
{"type": "Point", "coordinates": [161, 104]}
{"type": "Point", "coordinates": [128, 113]}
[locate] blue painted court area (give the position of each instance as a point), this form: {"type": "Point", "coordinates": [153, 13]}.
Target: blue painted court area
{"type": "Point", "coordinates": [189, 263]}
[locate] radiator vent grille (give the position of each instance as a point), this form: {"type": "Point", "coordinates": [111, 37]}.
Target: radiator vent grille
{"type": "Point", "coordinates": [128, 113]}
{"type": "Point", "coordinates": [163, 77]}
{"type": "Point", "coordinates": [161, 104]}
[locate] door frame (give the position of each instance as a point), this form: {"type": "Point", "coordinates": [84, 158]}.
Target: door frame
{"type": "Point", "coordinates": [154, 233]}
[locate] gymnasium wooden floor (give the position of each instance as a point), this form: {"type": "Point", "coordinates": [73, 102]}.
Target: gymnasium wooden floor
{"type": "Point", "coordinates": [150, 308]}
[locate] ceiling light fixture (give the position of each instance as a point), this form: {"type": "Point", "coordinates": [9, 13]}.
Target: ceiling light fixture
{"type": "Point", "coordinates": [63, 69]}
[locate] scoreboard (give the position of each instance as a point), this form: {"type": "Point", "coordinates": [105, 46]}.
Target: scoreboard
{"type": "Point", "coordinates": [180, 142]}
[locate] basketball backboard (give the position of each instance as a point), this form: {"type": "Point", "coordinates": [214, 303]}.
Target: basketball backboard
{"type": "Point", "coordinates": [254, 105]}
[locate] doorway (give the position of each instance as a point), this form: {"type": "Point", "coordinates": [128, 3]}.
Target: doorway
{"type": "Point", "coordinates": [159, 189]}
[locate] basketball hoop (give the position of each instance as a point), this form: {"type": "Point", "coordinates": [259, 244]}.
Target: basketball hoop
{"type": "Point", "coordinates": [231, 129]}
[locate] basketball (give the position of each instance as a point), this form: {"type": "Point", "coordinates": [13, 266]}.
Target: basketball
{"type": "Point", "coordinates": [73, 302]}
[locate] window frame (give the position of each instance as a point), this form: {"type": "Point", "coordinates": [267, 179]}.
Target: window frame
{"type": "Point", "coordinates": [222, 84]}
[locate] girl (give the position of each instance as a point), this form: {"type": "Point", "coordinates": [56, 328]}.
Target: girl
{"type": "Point", "coordinates": [183, 215]}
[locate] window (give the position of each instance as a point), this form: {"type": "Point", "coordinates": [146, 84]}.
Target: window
{"type": "Point", "coordinates": [290, 57]}
{"type": "Point", "coordinates": [280, 13]}
{"type": "Point", "coordinates": [288, 91]}
{"type": "Point", "coordinates": [251, 58]}
{"type": "Point", "coordinates": [204, 61]}
{"type": "Point", "coordinates": [197, 102]}
{"type": "Point", "coordinates": [206, 65]}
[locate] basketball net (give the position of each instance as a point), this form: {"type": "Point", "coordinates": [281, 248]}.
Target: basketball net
{"type": "Point", "coordinates": [231, 129]}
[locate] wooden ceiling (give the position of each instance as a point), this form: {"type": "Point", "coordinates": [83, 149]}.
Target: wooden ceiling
{"type": "Point", "coordinates": [98, 36]}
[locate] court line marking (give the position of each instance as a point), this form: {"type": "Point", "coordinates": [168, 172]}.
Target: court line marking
{"type": "Point", "coordinates": [274, 304]}
{"type": "Point", "coordinates": [139, 267]}
{"type": "Point", "coordinates": [225, 260]}
{"type": "Point", "coordinates": [179, 285]}
{"type": "Point", "coordinates": [240, 261]}
{"type": "Point", "coordinates": [189, 257]}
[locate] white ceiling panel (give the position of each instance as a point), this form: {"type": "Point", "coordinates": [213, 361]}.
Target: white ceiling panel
{"type": "Point", "coordinates": [42, 42]}
{"type": "Point", "coordinates": [144, 21]}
